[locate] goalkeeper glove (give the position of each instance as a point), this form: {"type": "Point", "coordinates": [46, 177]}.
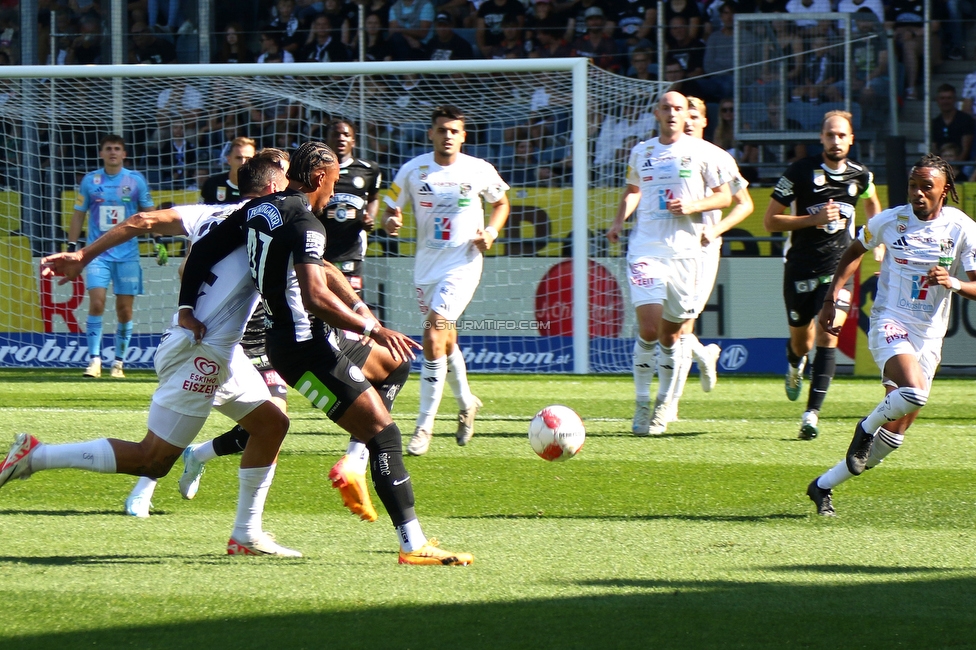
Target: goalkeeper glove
{"type": "Point", "coordinates": [162, 255]}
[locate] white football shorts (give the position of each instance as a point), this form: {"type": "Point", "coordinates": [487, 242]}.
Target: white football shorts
{"type": "Point", "coordinates": [711, 256]}
{"type": "Point", "coordinates": [671, 283]}
{"type": "Point", "coordinates": [450, 296]}
{"type": "Point", "coordinates": [889, 338]}
{"type": "Point", "coordinates": [194, 378]}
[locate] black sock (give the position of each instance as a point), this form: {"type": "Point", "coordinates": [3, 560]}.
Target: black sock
{"type": "Point", "coordinates": [232, 442]}
{"type": "Point", "coordinates": [792, 356]}
{"type": "Point", "coordinates": [390, 387]}
{"type": "Point", "coordinates": [824, 365]}
{"type": "Point", "coordinates": [390, 478]}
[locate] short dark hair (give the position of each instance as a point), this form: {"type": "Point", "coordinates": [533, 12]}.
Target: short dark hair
{"type": "Point", "coordinates": [307, 158]}
{"type": "Point", "coordinates": [336, 122]}
{"type": "Point", "coordinates": [946, 88]}
{"type": "Point", "coordinates": [256, 174]}
{"type": "Point", "coordinates": [446, 111]}
{"type": "Point", "coordinates": [111, 138]}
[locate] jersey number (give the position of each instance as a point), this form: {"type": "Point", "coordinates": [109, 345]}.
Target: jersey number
{"type": "Point", "coordinates": [258, 245]}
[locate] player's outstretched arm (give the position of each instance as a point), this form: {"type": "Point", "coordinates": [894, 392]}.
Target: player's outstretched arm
{"type": "Point", "coordinates": [848, 263]}
{"type": "Point", "coordinates": [70, 265]}
{"type": "Point", "coordinates": [339, 285]}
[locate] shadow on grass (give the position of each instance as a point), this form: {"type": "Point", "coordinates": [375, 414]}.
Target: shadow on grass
{"type": "Point", "coordinates": [618, 614]}
{"type": "Point", "coordinates": [110, 560]}
{"type": "Point", "coordinates": [70, 513]}
{"type": "Point", "coordinates": [636, 517]}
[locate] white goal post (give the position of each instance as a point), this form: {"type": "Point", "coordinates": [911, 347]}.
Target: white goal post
{"type": "Point", "coordinates": [552, 298]}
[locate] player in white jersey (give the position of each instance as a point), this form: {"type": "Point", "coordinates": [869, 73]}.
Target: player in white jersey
{"type": "Point", "coordinates": [712, 228]}
{"type": "Point", "coordinates": [668, 179]}
{"type": "Point", "coordinates": [193, 376]}
{"type": "Point", "coordinates": [445, 189]}
{"type": "Point", "coordinates": [926, 244]}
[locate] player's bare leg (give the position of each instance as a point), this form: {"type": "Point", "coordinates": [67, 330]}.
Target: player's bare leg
{"type": "Point", "coordinates": [797, 348]}
{"type": "Point", "coordinates": [881, 432]}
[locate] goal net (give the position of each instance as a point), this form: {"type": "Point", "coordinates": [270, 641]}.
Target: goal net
{"type": "Point", "coordinates": [558, 131]}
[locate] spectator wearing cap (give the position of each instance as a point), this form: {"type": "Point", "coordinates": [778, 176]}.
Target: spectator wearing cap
{"type": "Point", "coordinates": [488, 33]}
{"type": "Point", "coordinates": [545, 19]}
{"type": "Point", "coordinates": [579, 17]}
{"type": "Point", "coordinates": [595, 44]}
{"type": "Point", "coordinates": [446, 45]}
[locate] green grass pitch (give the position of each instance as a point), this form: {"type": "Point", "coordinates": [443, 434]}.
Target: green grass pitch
{"type": "Point", "coordinates": [701, 538]}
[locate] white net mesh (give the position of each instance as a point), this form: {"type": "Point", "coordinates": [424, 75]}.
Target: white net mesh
{"type": "Point", "coordinates": [519, 319]}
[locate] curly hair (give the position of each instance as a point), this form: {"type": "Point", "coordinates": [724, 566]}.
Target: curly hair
{"type": "Point", "coordinates": [932, 161]}
{"type": "Point", "coordinates": [309, 157]}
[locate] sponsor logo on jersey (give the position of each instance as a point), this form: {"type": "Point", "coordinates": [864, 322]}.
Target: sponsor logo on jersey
{"type": "Point", "coordinates": [899, 244]}
{"type": "Point", "coordinates": [221, 193]}
{"type": "Point", "coordinates": [819, 178]}
{"type": "Point", "coordinates": [314, 243]}
{"type": "Point", "coordinates": [647, 164]}
{"type": "Point", "coordinates": [358, 182]}
{"type": "Point", "coordinates": [126, 190]}
{"type": "Point", "coordinates": [425, 190]}
{"type": "Point", "coordinates": [463, 203]}
{"type": "Point", "coordinates": [426, 204]}
{"type": "Point", "coordinates": [902, 227]}
{"type": "Point", "coordinates": [640, 275]}
{"type": "Point", "coordinates": [920, 288]}
{"type": "Point", "coordinates": [852, 189]}
{"type": "Point", "coordinates": [423, 172]}
{"type": "Point", "coordinates": [900, 260]}
{"type": "Point", "coordinates": [465, 189]}
{"type": "Point", "coordinates": [97, 179]}
{"type": "Point", "coordinates": [268, 212]}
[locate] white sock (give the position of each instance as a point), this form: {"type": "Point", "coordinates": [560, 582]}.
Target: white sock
{"type": "Point", "coordinates": [896, 404]}
{"type": "Point", "coordinates": [834, 476]}
{"type": "Point", "coordinates": [697, 348]}
{"type": "Point", "coordinates": [254, 485]}
{"type": "Point", "coordinates": [457, 379]}
{"type": "Point", "coordinates": [410, 535]}
{"type": "Point", "coordinates": [645, 365]}
{"type": "Point", "coordinates": [688, 342]}
{"type": "Point", "coordinates": [432, 376]}
{"type": "Point", "coordinates": [204, 452]}
{"type": "Point", "coordinates": [145, 487]}
{"type": "Point", "coordinates": [668, 367]}
{"type": "Point", "coordinates": [884, 443]}
{"type": "Point", "coordinates": [94, 456]}
{"type": "Point", "coordinates": [357, 456]}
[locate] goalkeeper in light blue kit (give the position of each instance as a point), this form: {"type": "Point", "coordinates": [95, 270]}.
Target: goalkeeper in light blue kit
{"type": "Point", "coordinates": [109, 196]}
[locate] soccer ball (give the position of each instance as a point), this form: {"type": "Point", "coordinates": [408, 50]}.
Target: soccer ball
{"type": "Point", "coordinates": [556, 433]}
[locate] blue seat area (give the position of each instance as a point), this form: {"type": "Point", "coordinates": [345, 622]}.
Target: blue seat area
{"type": "Point", "coordinates": [750, 113]}
{"type": "Point", "coordinates": [808, 115]}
